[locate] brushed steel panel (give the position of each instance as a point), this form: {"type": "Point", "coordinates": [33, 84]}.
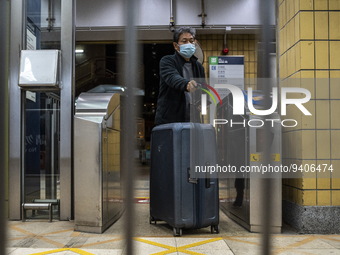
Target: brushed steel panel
{"type": "Point", "coordinates": [97, 161]}
{"type": "Point", "coordinates": [67, 106]}
{"type": "Point", "coordinates": [4, 32]}
{"type": "Point", "coordinates": [88, 172]}
{"type": "Point", "coordinates": [15, 104]}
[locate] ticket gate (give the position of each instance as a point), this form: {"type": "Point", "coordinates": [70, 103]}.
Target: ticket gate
{"type": "Point", "coordinates": [241, 145]}
{"type": "Point", "coordinates": [97, 167]}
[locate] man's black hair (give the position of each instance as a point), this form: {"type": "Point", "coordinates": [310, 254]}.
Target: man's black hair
{"type": "Point", "coordinates": [182, 30]}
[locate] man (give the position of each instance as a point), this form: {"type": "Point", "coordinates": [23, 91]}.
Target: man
{"type": "Point", "coordinates": [177, 74]}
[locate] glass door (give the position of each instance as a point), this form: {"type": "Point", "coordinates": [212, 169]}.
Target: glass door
{"type": "Point", "coordinates": [41, 113]}
{"type": "Point", "coordinates": [41, 119]}
{"type": "Point", "coordinates": [41, 177]}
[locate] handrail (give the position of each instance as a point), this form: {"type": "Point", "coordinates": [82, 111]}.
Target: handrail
{"type": "Point", "coordinates": [92, 68]}
{"type": "Point", "coordinates": [96, 58]}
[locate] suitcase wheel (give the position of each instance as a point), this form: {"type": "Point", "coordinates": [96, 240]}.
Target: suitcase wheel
{"type": "Point", "coordinates": [214, 229]}
{"type": "Point", "coordinates": [152, 220]}
{"type": "Point", "coordinates": [177, 232]}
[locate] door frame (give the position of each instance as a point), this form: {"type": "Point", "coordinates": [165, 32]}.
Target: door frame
{"type": "Point", "coordinates": [16, 138]}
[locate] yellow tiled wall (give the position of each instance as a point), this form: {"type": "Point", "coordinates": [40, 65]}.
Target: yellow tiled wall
{"type": "Point", "coordinates": [309, 57]}
{"type": "Point", "coordinates": [245, 44]}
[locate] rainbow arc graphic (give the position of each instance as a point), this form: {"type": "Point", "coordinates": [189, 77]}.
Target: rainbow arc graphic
{"type": "Point", "coordinates": [206, 87]}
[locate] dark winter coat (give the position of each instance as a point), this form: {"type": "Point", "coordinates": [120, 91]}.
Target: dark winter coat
{"type": "Point", "coordinates": [171, 104]}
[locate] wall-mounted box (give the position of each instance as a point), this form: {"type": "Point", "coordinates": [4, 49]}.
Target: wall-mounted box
{"type": "Point", "coordinates": [39, 68]}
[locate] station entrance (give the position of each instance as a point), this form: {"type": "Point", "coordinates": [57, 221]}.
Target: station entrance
{"type": "Point", "coordinates": [43, 150]}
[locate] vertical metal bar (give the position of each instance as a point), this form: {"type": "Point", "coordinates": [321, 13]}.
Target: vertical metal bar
{"type": "Point", "coordinates": [15, 103]}
{"type": "Point", "coordinates": [129, 120]}
{"type": "Point", "coordinates": [172, 20]}
{"type": "Point", "coordinates": [67, 106]}
{"type": "Point", "coordinates": [264, 75]}
{"type": "Point", "coordinates": [171, 12]}
{"type": "Point", "coordinates": [53, 130]}
{"type": "Point", "coordinates": [4, 49]}
{"type": "Point", "coordinates": [203, 13]}
{"type": "Point", "coordinates": [50, 18]}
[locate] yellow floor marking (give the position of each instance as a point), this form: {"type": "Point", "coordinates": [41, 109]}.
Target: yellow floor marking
{"type": "Point", "coordinates": [81, 252]}
{"type": "Point", "coordinates": [176, 250]}
{"type": "Point", "coordinates": [84, 234]}
{"type": "Point", "coordinates": [182, 249]}
{"type": "Point", "coordinates": [188, 246]}
{"type": "Point", "coordinates": [50, 252]}
{"type": "Point", "coordinates": [57, 244]}
{"type": "Point", "coordinates": [191, 252]}
{"type": "Point", "coordinates": [330, 238]}
{"type": "Point", "coordinates": [102, 242]}
{"type": "Point", "coordinates": [283, 235]}
{"type": "Point", "coordinates": [154, 243]}
{"type": "Point", "coordinates": [165, 252]}
{"type": "Point", "coordinates": [304, 252]}
{"type": "Point", "coordinates": [295, 245]}
{"type": "Point", "coordinates": [60, 231]}
{"type": "Point", "coordinates": [29, 234]}
{"type": "Point", "coordinates": [75, 234]}
{"type": "Point", "coordinates": [239, 240]}
{"type": "Point", "coordinates": [16, 238]}
{"type": "Point", "coordinates": [199, 243]}
{"type": "Point", "coordinates": [23, 231]}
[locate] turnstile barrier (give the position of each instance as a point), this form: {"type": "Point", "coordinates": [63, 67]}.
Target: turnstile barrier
{"type": "Point", "coordinates": [97, 167]}
{"type": "Point", "coordinates": [242, 146]}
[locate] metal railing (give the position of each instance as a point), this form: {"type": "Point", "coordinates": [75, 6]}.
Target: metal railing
{"type": "Point", "coordinates": [91, 70]}
{"type": "Point", "coordinates": [4, 49]}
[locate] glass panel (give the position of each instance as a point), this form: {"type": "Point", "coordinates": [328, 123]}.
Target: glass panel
{"type": "Point", "coordinates": [41, 166]}
{"type": "Point", "coordinates": [41, 114]}
{"type": "Point", "coordinates": [43, 24]}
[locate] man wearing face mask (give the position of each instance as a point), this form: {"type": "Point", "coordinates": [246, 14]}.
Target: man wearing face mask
{"type": "Point", "coordinates": [177, 84]}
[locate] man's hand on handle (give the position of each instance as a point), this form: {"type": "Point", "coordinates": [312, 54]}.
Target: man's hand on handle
{"type": "Point", "coordinates": [191, 86]}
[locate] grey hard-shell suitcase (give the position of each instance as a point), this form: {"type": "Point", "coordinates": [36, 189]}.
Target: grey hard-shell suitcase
{"type": "Point", "coordinates": [183, 200]}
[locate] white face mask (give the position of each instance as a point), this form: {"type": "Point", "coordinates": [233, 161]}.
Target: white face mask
{"type": "Point", "coordinates": [187, 50]}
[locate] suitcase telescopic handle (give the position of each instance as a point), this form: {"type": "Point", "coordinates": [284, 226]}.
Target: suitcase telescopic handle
{"type": "Point", "coordinates": [207, 182]}
{"type": "Point", "coordinates": [207, 178]}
